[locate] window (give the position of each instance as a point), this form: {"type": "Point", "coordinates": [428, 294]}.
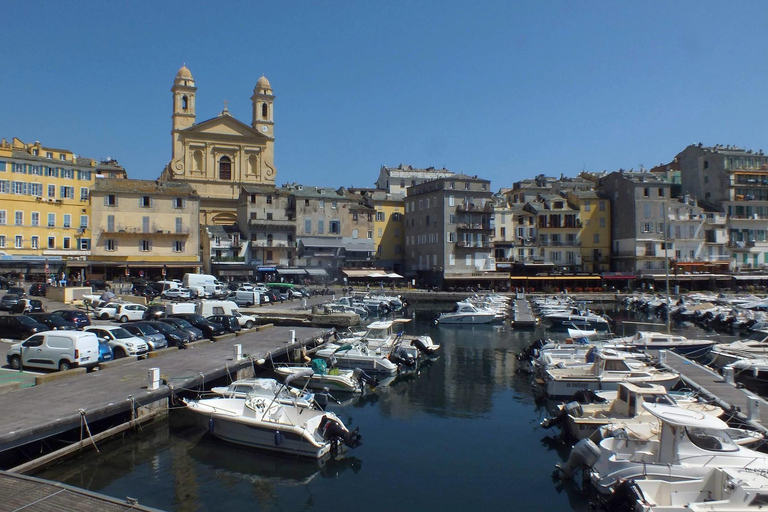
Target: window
{"type": "Point", "coordinates": [321, 204]}
{"type": "Point", "coordinates": [5, 186]}
{"type": "Point", "coordinates": [110, 200]}
{"type": "Point", "coordinates": [179, 225]}
{"type": "Point", "coordinates": [48, 154]}
{"type": "Point", "coordinates": [145, 201]}
{"type": "Point", "coordinates": [306, 202]}
{"type": "Point", "coordinates": [67, 243]}
{"type": "Point", "coordinates": [178, 246]}
{"type": "Point", "coordinates": [381, 232]}
{"type": "Point", "coordinates": [110, 245]}
{"type": "Point", "coordinates": [3, 219]}
{"type": "Point", "coordinates": [178, 202]}
{"type": "Point", "coordinates": [333, 205]}
{"type": "Point", "coordinates": [646, 192]}
{"type": "Point", "coordinates": [466, 186]}
{"type": "Point", "coordinates": [647, 210]}
{"type": "Point", "coordinates": [602, 206]}
{"type": "Point", "coordinates": [320, 227]}
{"type": "Point", "coordinates": [36, 189]}
{"type": "Point", "coordinates": [18, 241]}
{"type": "Point", "coordinates": [51, 190]}
{"type": "Point", "coordinates": [68, 173]}
{"type": "Point", "coordinates": [19, 218]}
{"type": "Point", "coordinates": [67, 220]}
{"type": "Point", "coordinates": [269, 199]}
{"type": "Point", "coordinates": [51, 172]}
{"type": "Point", "coordinates": [225, 168]}
{"type": "Point", "coordinates": [602, 222]}
{"type": "Point", "coordinates": [67, 192]}
{"type": "Point", "coordinates": [85, 244]}
{"type": "Point", "coordinates": [145, 224]}
{"type": "Point", "coordinates": [587, 206]}
{"type": "Point", "coordinates": [51, 242]}
{"type": "Point", "coordinates": [596, 238]}
{"type": "Point", "coordinates": [83, 222]}
{"type": "Point", "coordinates": [334, 227]}
{"type": "Point", "coordinates": [308, 226]}
{"type": "Point", "coordinates": [370, 234]}
{"type": "Point", "coordinates": [661, 192]}
{"type": "Point", "coordinates": [380, 216]}
{"type": "Point", "coordinates": [110, 223]}
{"type": "Point", "coordinates": [35, 242]}
{"type": "Point", "coordinates": [35, 219]}
{"type": "Point", "coordinates": [63, 157]}
{"type": "Point", "coordinates": [2, 240]}
{"type": "Point", "coordinates": [145, 245]}
{"type": "Point", "coordinates": [269, 216]}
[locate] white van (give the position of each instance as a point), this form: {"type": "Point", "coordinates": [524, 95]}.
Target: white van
{"type": "Point", "coordinates": [175, 308]}
{"type": "Point", "coordinates": [216, 307]}
{"type": "Point", "coordinates": [55, 349]}
{"type": "Point", "coordinates": [211, 286]}
{"type": "Point", "coordinates": [247, 299]}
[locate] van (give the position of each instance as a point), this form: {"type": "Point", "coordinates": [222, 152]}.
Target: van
{"type": "Point", "coordinates": [208, 308]}
{"type": "Point", "coordinates": [205, 282]}
{"type": "Point", "coordinates": [175, 308]}
{"type": "Point", "coordinates": [55, 350]}
{"type": "Point", "coordinates": [247, 298]}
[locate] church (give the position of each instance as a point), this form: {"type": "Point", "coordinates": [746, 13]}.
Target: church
{"type": "Point", "coordinates": [218, 156]}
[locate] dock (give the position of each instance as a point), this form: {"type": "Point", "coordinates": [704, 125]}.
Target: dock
{"type": "Point", "coordinates": [31, 494]}
{"type": "Point", "coordinates": [730, 398]}
{"type": "Point", "coordinates": [523, 317]}
{"type": "Point", "coordinates": [75, 401]}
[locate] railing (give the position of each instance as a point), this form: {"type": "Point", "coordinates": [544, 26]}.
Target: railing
{"type": "Point", "coordinates": [123, 230]}
{"type": "Point", "coordinates": [550, 243]}
{"type": "Point", "coordinates": [741, 244]}
{"type": "Point", "coordinates": [475, 245]}
{"type": "Point", "coordinates": [268, 243]}
{"type": "Point", "coordinates": [473, 226]}
{"type": "Point", "coordinates": [488, 208]}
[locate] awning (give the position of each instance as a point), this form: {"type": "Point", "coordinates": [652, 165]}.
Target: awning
{"type": "Point", "coordinates": [360, 272]}
{"type": "Point", "coordinates": [292, 271]}
{"type": "Point", "coordinates": [316, 271]}
{"type": "Point", "coordinates": [619, 276]}
{"type": "Point", "coordinates": [751, 278]}
{"type": "Point", "coordinates": [483, 277]}
{"type": "Point", "coordinates": [394, 275]}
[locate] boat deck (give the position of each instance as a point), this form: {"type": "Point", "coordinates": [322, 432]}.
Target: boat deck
{"type": "Point", "coordinates": [31, 494]}
{"type": "Point", "coordinates": [708, 382]}
{"type": "Point", "coordinates": [34, 413]}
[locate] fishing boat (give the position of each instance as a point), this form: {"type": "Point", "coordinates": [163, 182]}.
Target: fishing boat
{"type": "Point", "coordinates": [323, 377]}
{"type": "Point", "coordinates": [267, 388]}
{"type": "Point", "coordinates": [269, 424]}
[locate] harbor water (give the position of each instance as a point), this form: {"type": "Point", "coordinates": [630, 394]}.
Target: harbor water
{"type": "Point", "coordinates": [460, 434]}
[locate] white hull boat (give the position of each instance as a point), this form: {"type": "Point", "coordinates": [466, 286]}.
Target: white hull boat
{"type": "Point", "coordinates": [466, 314]}
{"type": "Point", "coordinates": [357, 355]}
{"type": "Point", "coordinates": [333, 379]}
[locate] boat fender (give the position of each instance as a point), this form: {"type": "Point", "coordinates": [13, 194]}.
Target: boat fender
{"type": "Point", "coordinates": [210, 425]}
{"type": "Point", "coordinates": [279, 438]}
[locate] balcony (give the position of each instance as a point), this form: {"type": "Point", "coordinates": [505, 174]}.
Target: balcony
{"type": "Point", "coordinates": [269, 243]}
{"type": "Point", "coordinates": [741, 245]}
{"type": "Point", "coordinates": [488, 208]}
{"type": "Point", "coordinates": [473, 226]}
{"type": "Point", "coordinates": [273, 224]}
{"type": "Point", "coordinates": [550, 243]}
{"type": "Point", "coordinates": [133, 231]}
{"type": "Point", "coordinates": [474, 245]}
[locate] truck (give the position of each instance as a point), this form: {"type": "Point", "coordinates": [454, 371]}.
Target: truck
{"type": "Point", "coordinates": [205, 285]}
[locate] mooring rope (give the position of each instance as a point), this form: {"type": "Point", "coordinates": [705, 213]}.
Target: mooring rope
{"type": "Point", "coordinates": [83, 420]}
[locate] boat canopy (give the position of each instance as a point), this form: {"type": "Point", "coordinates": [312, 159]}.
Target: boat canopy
{"type": "Point", "coordinates": [683, 417]}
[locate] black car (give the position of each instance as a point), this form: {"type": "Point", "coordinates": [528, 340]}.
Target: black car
{"type": "Point", "coordinates": [154, 312]}
{"type": "Point", "coordinates": [144, 291]}
{"type": "Point", "coordinates": [229, 322]}
{"type": "Point", "coordinates": [79, 318]}
{"type": "Point", "coordinates": [53, 321]}
{"type": "Point", "coordinates": [20, 327]}
{"type": "Point", "coordinates": [179, 323]}
{"type": "Point", "coordinates": [8, 301]}
{"type": "Point", "coordinates": [17, 290]}
{"type": "Point", "coordinates": [175, 336]}
{"type": "Point", "coordinates": [210, 329]}
{"type": "Point", "coordinates": [28, 306]}
{"type": "Point", "coordinates": [38, 289]}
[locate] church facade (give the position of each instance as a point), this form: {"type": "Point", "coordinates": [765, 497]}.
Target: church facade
{"type": "Point", "coordinates": [218, 156]}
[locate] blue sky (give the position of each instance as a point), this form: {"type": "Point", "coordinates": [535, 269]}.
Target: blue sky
{"type": "Point", "coordinates": [504, 90]}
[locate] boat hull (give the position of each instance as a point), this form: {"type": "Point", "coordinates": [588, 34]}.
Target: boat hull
{"type": "Point", "coordinates": [565, 388]}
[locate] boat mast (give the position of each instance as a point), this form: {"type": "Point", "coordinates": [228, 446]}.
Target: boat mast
{"type": "Point", "coordinates": [666, 255]}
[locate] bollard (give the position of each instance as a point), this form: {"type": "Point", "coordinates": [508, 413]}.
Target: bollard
{"type": "Point", "coordinates": [663, 356]}
{"type": "Point", "coordinates": [753, 408]}
{"type": "Point", "coordinates": [238, 352]}
{"type": "Point", "coordinates": [728, 376]}
{"type": "Point", "coordinates": [304, 303]}
{"type": "Point", "coordinates": [153, 378]}
{"type": "Point", "coordinates": [293, 336]}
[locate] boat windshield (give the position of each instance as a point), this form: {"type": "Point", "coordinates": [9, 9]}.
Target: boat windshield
{"type": "Point", "coordinates": [711, 439]}
{"type": "Point", "coordinates": [659, 399]}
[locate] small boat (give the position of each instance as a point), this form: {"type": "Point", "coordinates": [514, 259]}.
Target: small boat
{"type": "Point", "coordinates": [271, 424]}
{"type": "Point", "coordinates": [578, 319]}
{"type": "Point", "coordinates": [655, 341]}
{"type": "Point", "coordinates": [333, 379]}
{"type": "Point", "coordinates": [466, 313]}
{"type": "Point", "coordinates": [356, 354]}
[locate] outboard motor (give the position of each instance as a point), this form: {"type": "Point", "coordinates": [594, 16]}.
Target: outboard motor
{"type": "Point", "coordinates": [625, 497]}
{"type": "Point", "coordinates": [331, 429]}
{"type": "Point", "coordinates": [571, 408]}
{"type": "Point", "coordinates": [419, 344]}
{"type": "Point", "coordinates": [528, 353]}
{"type": "Point", "coordinates": [402, 357]}
{"type": "Point", "coordinates": [585, 453]}
{"type": "Point", "coordinates": [363, 378]}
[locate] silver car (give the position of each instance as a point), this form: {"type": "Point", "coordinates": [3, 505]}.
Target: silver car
{"type": "Point", "coordinates": [154, 338]}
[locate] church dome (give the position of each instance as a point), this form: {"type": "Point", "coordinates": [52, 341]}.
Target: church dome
{"type": "Point", "coordinates": [263, 83]}
{"type": "Point", "coordinates": [184, 72]}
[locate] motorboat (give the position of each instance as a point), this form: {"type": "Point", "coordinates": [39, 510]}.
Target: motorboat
{"type": "Point", "coordinates": [580, 421]}
{"type": "Point", "coordinates": [577, 319]}
{"type": "Point", "coordinates": [269, 388]}
{"type": "Point", "coordinates": [720, 489]}
{"type": "Point", "coordinates": [689, 444]}
{"type": "Point", "coordinates": [388, 334]}
{"type": "Point", "coordinates": [356, 354]}
{"type": "Point", "coordinates": [466, 313]}
{"type": "Point", "coordinates": [270, 424]}
{"type": "Point", "coordinates": [333, 379]}
{"type": "Point", "coordinates": [753, 346]}
{"type": "Point", "coordinates": [654, 341]}
{"type": "Point", "coordinates": [606, 372]}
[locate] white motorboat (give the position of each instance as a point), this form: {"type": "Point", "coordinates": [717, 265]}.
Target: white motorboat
{"type": "Point", "coordinates": [753, 346]}
{"type": "Point", "coordinates": [356, 354]}
{"type": "Point", "coordinates": [580, 421]}
{"type": "Point", "coordinates": [606, 372]}
{"type": "Point", "coordinates": [261, 422]}
{"type": "Point", "coordinates": [577, 319]}
{"type": "Point", "coordinates": [655, 341]}
{"type": "Point", "coordinates": [386, 335]}
{"type": "Point", "coordinates": [466, 313]}
{"type": "Point", "coordinates": [720, 490]}
{"type": "Point", "coordinates": [689, 445]}
{"type": "Point", "coordinates": [333, 379]}
{"type": "Point", "coordinates": [268, 388]}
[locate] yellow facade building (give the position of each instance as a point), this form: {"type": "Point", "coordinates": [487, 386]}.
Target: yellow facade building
{"type": "Point", "coordinates": [219, 156]}
{"type": "Point", "coordinates": [389, 230]}
{"type": "Point", "coordinates": [595, 235]}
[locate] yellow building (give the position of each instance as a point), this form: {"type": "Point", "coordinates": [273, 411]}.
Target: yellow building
{"type": "Point", "coordinates": [595, 235]}
{"type": "Point", "coordinates": [389, 230]}
{"type": "Point", "coordinates": [218, 156]}
{"type": "Point", "coordinates": [144, 227]}
{"type": "Point", "coordinates": [44, 208]}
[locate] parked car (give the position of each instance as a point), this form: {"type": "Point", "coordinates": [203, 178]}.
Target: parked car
{"type": "Point", "coordinates": [130, 312]}
{"type": "Point", "coordinates": [274, 296]}
{"type": "Point", "coordinates": [154, 338]}
{"type": "Point", "coordinates": [173, 335]}
{"type": "Point", "coordinates": [17, 290]}
{"type": "Point", "coordinates": [55, 350]}
{"type": "Point", "coordinates": [38, 289]}
{"type": "Point", "coordinates": [177, 293]}
{"type": "Point", "coordinates": [28, 306]}
{"type": "Point", "coordinates": [79, 318]}
{"type": "Point", "coordinates": [180, 323]}
{"type": "Point", "coordinates": [228, 322]}
{"type": "Point", "coordinates": [210, 329]}
{"type": "Point", "coordinates": [154, 312]}
{"type": "Point", "coordinates": [246, 321]}
{"type": "Point", "coordinates": [122, 342]}
{"type": "Point", "coordinates": [145, 291]}
{"type": "Point", "coordinates": [20, 327]}
{"type": "Point", "coordinates": [53, 321]}
{"type": "Point", "coordinates": [8, 301]}
{"type": "Point", "coordinates": [105, 311]}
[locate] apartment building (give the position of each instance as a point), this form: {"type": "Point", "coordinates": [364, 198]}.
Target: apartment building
{"type": "Point", "coordinates": [396, 180]}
